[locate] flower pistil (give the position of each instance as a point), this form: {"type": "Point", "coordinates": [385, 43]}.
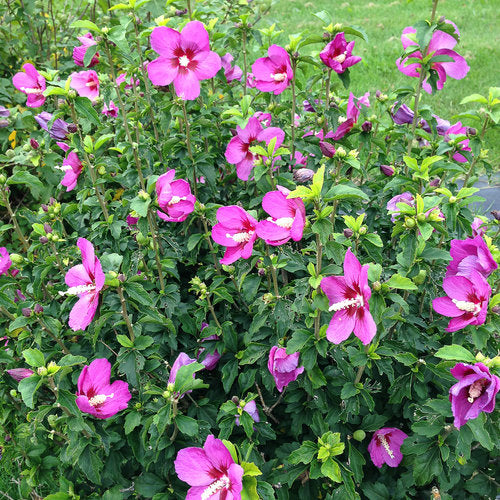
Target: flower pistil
{"type": "Point", "coordinates": [212, 489]}
{"type": "Point", "coordinates": [357, 301]}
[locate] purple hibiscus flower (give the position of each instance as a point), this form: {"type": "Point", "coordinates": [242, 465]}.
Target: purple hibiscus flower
{"type": "Point", "coordinates": [385, 447]}
{"type": "Point", "coordinates": [283, 367]}
{"type": "Point", "coordinates": [469, 255]}
{"type": "Point", "coordinates": [348, 296]}
{"type": "Point", "coordinates": [337, 55]}
{"type": "Point", "coordinates": [31, 83]}
{"type": "Point", "coordinates": [474, 392]}
{"type": "Point", "coordinates": [274, 72]}
{"type": "Point", "coordinates": [185, 59]}
{"type": "Point", "coordinates": [174, 198]}
{"type": "Point", "coordinates": [352, 115]}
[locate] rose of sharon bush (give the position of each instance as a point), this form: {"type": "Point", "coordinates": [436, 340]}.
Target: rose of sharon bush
{"type": "Point", "coordinates": [31, 83]}
{"type": "Point", "coordinates": [337, 55]}
{"type": "Point", "coordinates": [95, 393]}
{"type": "Point", "coordinates": [283, 367]}
{"type": "Point", "coordinates": [185, 59]}
{"type": "Point", "coordinates": [274, 72]}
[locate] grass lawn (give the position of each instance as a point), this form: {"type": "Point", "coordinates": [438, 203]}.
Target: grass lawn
{"type": "Point", "coordinates": [383, 21]}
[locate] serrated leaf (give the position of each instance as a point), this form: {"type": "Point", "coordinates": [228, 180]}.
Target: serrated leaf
{"type": "Point", "coordinates": [401, 283]}
{"type": "Point", "coordinates": [456, 353]}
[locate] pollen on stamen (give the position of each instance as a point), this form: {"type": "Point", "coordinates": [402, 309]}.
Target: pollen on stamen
{"type": "Point", "coordinates": [466, 306]}
{"type": "Point", "coordinates": [278, 77]}
{"type": "Point", "coordinates": [239, 237]}
{"type": "Point", "coordinates": [184, 61]}
{"type": "Point", "coordinates": [216, 486]}
{"type": "Point", "coordinates": [285, 222]}
{"type": "Point", "coordinates": [385, 444]}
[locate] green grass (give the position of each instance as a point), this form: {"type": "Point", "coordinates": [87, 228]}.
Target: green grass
{"type": "Point", "coordinates": [383, 21]}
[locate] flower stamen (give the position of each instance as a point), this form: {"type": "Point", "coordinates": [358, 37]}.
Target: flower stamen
{"type": "Point", "coordinates": [184, 61]}
{"type": "Point", "coordinates": [240, 237]}
{"type": "Point", "coordinates": [344, 304]}
{"type": "Point", "coordinates": [385, 444]}
{"type": "Point", "coordinates": [77, 290]}
{"type": "Point", "coordinates": [285, 222]}
{"type": "Point", "coordinates": [216, 486]}
{"type": "Point", "coordinates": [466, 306]}
{"type": "Point", "coordinates": [99, 399]}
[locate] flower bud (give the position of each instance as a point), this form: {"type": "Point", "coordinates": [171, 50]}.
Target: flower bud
{"type": "Point", "coordinates": [44, 207]}
{"type": "Point", "coordinates": [359, 435]}
{"type": "Point", "coordinates": [421, 217]}
{"type": "Point", "coordinates": [470, 131]}
{"type": "Point", "coordinates": [72, 128]}
{"type": "Point", "coordinates": [26, 312]}
{"type": "Point", "coordinates": [341, 152]}
{"type": "Point", "coordinates": [348, 232]}
{"type": "Point", "coordinates": [363, 230]}
{"type": "Point", "coordinates": [42, 371]}
{"type": "Point", "coordinates": [376, 286]}
{"type": "Point", "coordinates": [141, 239]}
{"type": "Point", "coordinates": [235, 400]}
{"type": "Point", "coordinates": [496, 214]}
{"type": "Point", "coordinates": [101, 170]}
{"type": "Point", "coordinates": [4, 123]}
{"type": "Point", "coordinates": [16, 259]}
{"type": "Point", "coordinates": [47, 228]}
{"type": "Point", "coordinates": [435, 182]}
{"type": "Point", "coordinates": [13, 393]}
{"type": "Point", "coordinates": [327, 149]}
{"type": "Point", "coordinates": [420, 277]}
{"type": "Point", "coordinates": [10, 153]}
{"type": "Point", "coordinates": [34, 143]}
{"type": "Point", "coordinates": [3, 179]}
{"type": "Point", "coordinates": [410, 222]}
{"type": "Point", "coordinates": [387, 170]}
{"type": "Point", "coordinates": [303, 175]}
{"type": "Point", "coordinates": [452, 199]}
{"type": "Point", "coordinates": [366, 126]}
{"type": "Point", "coordinates": [38, 309]}
{"type": "Point", "coordinates": [143, 195]}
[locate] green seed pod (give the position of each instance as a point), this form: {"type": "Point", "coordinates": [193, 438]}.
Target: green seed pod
{"type": "Point", "coordinates": [359, 435]}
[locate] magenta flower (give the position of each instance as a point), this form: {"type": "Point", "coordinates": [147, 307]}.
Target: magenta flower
{"type": "Point", "coordinates": [392, 205]}
{"type": "Point", "coordinates": [273, 73]}
{"type": "Point", "coordinates": [85, 280]}
{"type": "Point", "coordinates": [251, 409]}
{"type": "Point", "coordinates": [86, 83]}
{"type": "Point", "coordinates": [72, 166]}
{"type": "Point", "coordinates": [185, 59]}
{"type": "Point", "coordinates": [80, 51]}
{"type": "Point", "coordinates": [479, 227]}
{"type": "Point", "coordinates": [20, 373]}
{"type": "Point", "coordinates": [121, 78]}
{"type": "Point", "coordinates": [231, 72]}
{"type": "Point", "coordinates": [110, 110]}
{"type": "Point", "coordinates": [288, 218]}
{"type": "Point", "coordinates": [238, 150]}
{"type": "Point", "coordinates": [385, 447]}
{"type": "Point", "coordinates": [337, 55]}
{"type": "Point", "coordinates": [210, 360]}
{"type": "Point", "coordinates": [210, 471]}
{"type": "Point", "coordinates": [5, 262]}
{"type": "Point", "coordinates": [387, 170]}
{"type": "Point", "coordinates": [458, 129]}
{"type": "Point", "coordinates": [474, 392]}
{"type": "Point", "coordinates": [235, 229]}
{"type": "Point", "coordinates": [174, 197]}
{"type": "Point", "coordinates": [327, 149]}
{"type": "Point", "coordinates": [348, 296]}
{"type": "Point", "coordinates": [131, 220]}
{"type": "Point", "coordinates": [405, 115]}
{"type": "Point", "coordinates": [469, 255]}
{"type": "Point", "coordinates": [467, 300]}
{"type": "Point", "coordinates": [31, 83]}
{"type": "Point", "coordinates": [95, 393]}
{"type": "Point", "coordinates": [182, 360]}
{"type": "Point", "coordinates": [441, 44]}
{"type": "Point", "coordinates": [352, 115]}
{"type": "Point", "coordinates": [264, 118]}
{"type": "Point", "coordinates": [283, 367]}
{"type": "Point", "coordinates": [250, 82]}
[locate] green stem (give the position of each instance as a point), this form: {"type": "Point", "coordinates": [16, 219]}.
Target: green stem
{"type": "Point", "coordinates": [244, 44]}
{"type": "Point", "coordinates": [190, 12]}
{"type": "Point", "coordinates": [125, 314]}
{"type": "Point", "coordinates": [209, 241]}
{"type": "Point", "coordinates": [361, 369]}
{"type": "Point", "coordinates": [53, 335]}
{"type": "Point", "coordinates": [188, 143]}
{"type": "Point", "coordinates": [93, 175]}
{"type": "Point", "coordinates": [157, 253]}
{"type": "Point", "coordinates": [474, 160]}
{"type": "Point", "coordinates": [212, 311]}
{"type": "Point", "coordinates": [13, 217]}
{"type": "Point", "coordinates": [273, 274]}
{"type": "Point", "coordinates": [294, 99]}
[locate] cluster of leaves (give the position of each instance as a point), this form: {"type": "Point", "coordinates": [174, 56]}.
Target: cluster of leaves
{"type": "Point", "coordinates": [309, 445]}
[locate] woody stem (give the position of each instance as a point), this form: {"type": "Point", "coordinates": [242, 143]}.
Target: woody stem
{"type": "Point", "coordinates": [474, 160]}
{"type": "Point", "coordinates": [244, 44]}
{"type": "Point", "coordinates": [361, 369]}
{"type": "Point", "coordinates": [93, 175]}
{"type": "Point", "coordinates": [13, 217]}
{"type": "Point", "coordinates": [273, 274]}
{"type": "Point", "coordinates": [294, 98]}
{"type": "Point", "coordinates": [157, 253]}
{"type": "Point", "coordinates": [125, 314]}
{"type": "Point", "coordinates": [212, 311]}
{"type": "Point", "coordinates": [209, 241]}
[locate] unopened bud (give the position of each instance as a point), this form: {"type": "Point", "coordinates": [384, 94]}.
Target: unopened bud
{"type": "Point", "coordinates": [72, 128]}
{"type": "Point", "coordinates": [38, 309]}
{"type": "Point", "coordinates": [421, 217]}
{"type": "Point", "coordinates": [420, 277]}
{"type": "Point", "coordinates": [42, 371]}
{"type": "Point", "coordinates": [387, 170]}
{"type": "Point", "coordinates": [143, 195]}
{"type": "Point", "coordinates": [453, 199]}
{"type": "Point", "coordinates": [410, 223]}
{"type": "Point", "coordinates": [359, 435]}
{"type": "Point", "coordinates": [303, 175]}
{"type": "Point", "coordinates": [235, 400]}
{"type": "Point", "coordinates": [348, 232]}
{"type": "Point", "coordinates": [47, 228]}
{"type": "Point", "coordinates": [471, 131]}
{"type": "Point", "coordinates": [34, 143]}
{"type": "Point", "coordinates": [376, 286]}
{"type": "Point", "coordinates": [496, 214]}
{"type": "Point", "coordinates": [435, 182]}
{"type": "Point", "coordinates": [16, 259]}
{"type": "Point", "coordinates": [363, 230]}
{"type": "Point", "coordinates": [43, 240]}
{"type": "Point", "coordinates": [26, 312]}
{"type": "Point", "coordinates": [366, 126]}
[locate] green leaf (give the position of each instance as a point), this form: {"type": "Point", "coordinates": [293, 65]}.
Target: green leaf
{"type": "Point", "coordinates": [89, 54]}
{"type": "Point", "coordinates": [187, 425]}
{"type": "Point", "coordinates": [137, 292]}
{"type": "Point", "coordinates": [28, 387]}
{"type": "Point", "coordinates": [348, 391]}
{"type": "Point", "coordinates": [33, 183]}
{"type": "Point", "coordinates": [132, 420]}
{"type": "Point", "coordinates": [249, 491]}
{"type": "Point", "coordinates": [34, 357]}
{"type": "Point", "coordinates": [148, 484]}
{"type": "Point", "coordinates": [70, 360]}
{"type": "Point", "coordinates": [140, 206]}
{"type": "Point", "coordinates": [250, 469]}
{"type": "Point", "coordinates": [143, 342]}
{"type": "Point", "coordinates": [456, 353]}
{"type": "Point", "coordinates": [83, 107]}
{"type": "Point", "coordinates": [125, 341]}
{"type": "Point", "coordinates": [88, 25]}
{"type": "Point", "coordinates": [331, 469]}
{"type": "Point", "coordinates": [304, 454]}
{"type": "Point", "coordinates": [481, 435]}
{"type": "Point", "coordinates": [103, 139]}
{"type": "Point", "coordinates": [474, 98]}
{"type": "Point", "coordinates": [343, 192]}
{"type": "Point", "coordinates": [401, 283]}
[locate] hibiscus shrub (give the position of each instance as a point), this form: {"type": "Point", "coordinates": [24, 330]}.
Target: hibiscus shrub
{"type": "Point", "coordinates": [224, 276]}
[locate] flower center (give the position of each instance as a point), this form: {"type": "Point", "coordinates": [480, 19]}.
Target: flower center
{"type": "Point", "coordinates": [64, 168]}
{"type": "Point", "coordinates": [385, 444]}
{"type": "Point", "coordinates": [476, 389]}
{"type": "Point", "coordinates": [278, 77]}
{"type": "Point", "coordinates": [184, 61]}
{"type": "Point", "coordinates": [240, 237]}
{"type": "Point", "coordinates": [470, 307]}
{"type": "Point", "coordinates": [340, 58]}
{"type": "Point", "coordinates": [99, 399]}
{"type": "Point", "coordinates": [285, 222]}
{"type": "Point", "coordinates": [342, 119]}
{"type": "Point", "coordinates": [176, 199]}
{"type": "Point", "coordinates": [77, 290]}
{"type": "Point", "coordinates": [216, 486]}
{"type": "Point", "coordinates": [91, 84]}
{"type": "Point", "coordinates": [31, 90]}
{"type": "Point", "coordinates": [358, 301]}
